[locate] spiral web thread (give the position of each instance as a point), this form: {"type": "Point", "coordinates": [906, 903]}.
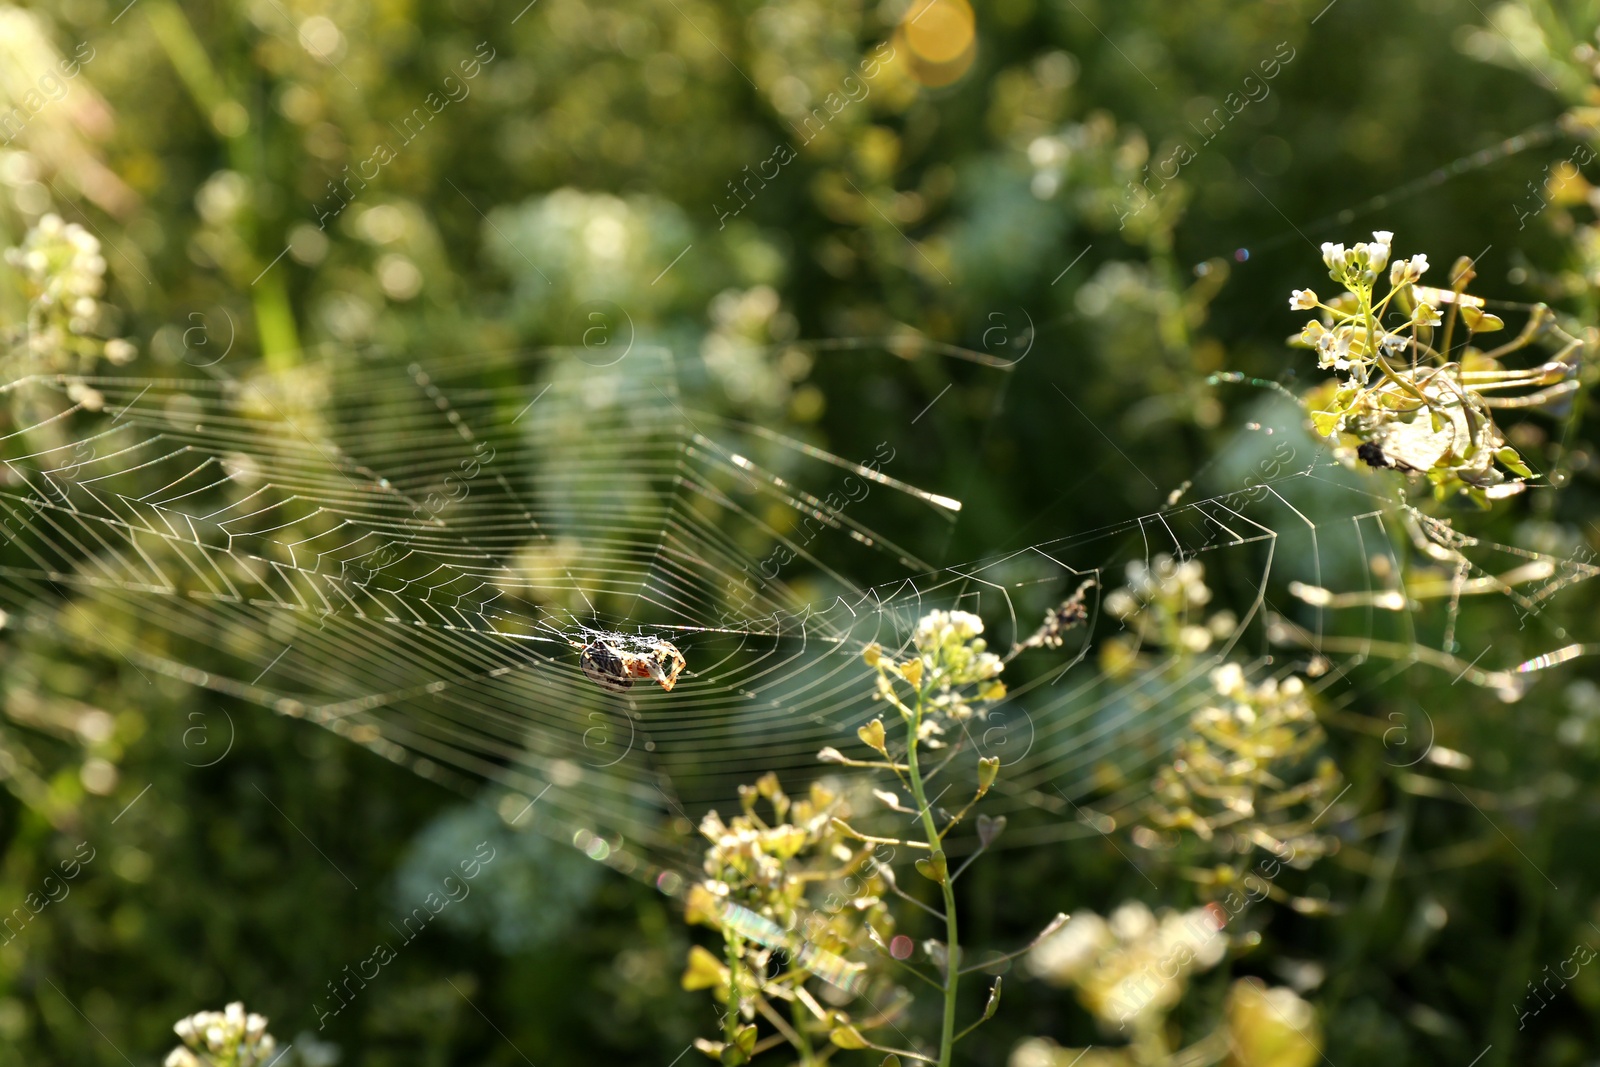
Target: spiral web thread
{"type": "Point", "coordinates": [322, 564]}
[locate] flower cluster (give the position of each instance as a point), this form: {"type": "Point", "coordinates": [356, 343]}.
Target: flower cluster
{"type": "Point", "coordinates": [1132, 968]}
{"type": "Point", "coordinates": [1345, 343]}
{"type": "Point", "coordinates": [1261, 1027]}
{"type": "Point", "coordinates": [758, 875]}
{"type": "Point", "coordinates": [749, 861]}
{"type": "Point", "coordinates": [63, 266]}
{"type": "Point", "coordinates": [63, 275]}
{"type": "Point", "coordinates": [954, 654]}
{"type": "Point", "coordinates": [1248, 775]}
{"type": "Point", "coordinates": [952, 668]}
{"type": "Point", "coordinates": [1164, 585]}
{"type": "Point", "coordinates": [227, 1038]}
{"type": "Point", "coordinates": [1405, 397]}
{"type": "Point", "coordinates": [795, 898]}
{"type": "Point", "coordinates": [1270, 1027]}
{"type": "Point", "coordinates": [1161, 606]}
{"type": "Point", "coordinates": [746, 352]}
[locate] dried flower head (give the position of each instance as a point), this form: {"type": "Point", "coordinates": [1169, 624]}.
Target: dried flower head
{"type": "Point", "coordinates": [1070, 614]}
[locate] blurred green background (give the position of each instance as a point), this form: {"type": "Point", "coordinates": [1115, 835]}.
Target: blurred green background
{"type": "Point", "coordinates": [969, 192]}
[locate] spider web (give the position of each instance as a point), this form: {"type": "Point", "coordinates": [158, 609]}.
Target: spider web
{"type": "Point", "coordinates": [406, 556]}
{"type": "Point", "coordinates": [410, 563]}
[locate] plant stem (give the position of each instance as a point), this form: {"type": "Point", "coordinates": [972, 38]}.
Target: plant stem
{"type": "Point", "coordinates": [807, 1055]}
{"type": "Point", "coordinates": [730, 1026]}
{"type": "Point", "coordinates": [952, 968]}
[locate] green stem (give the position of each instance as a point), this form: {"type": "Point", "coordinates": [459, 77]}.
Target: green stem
{"type": "Point", "coordinates": [1389, 373]}
{"type": "Point", "coordinates": [808, 1056]}
{"type": "Point", "coordinates": [730, 1026]}
{"type": "Point", "coordinates": [1149, 1046]}
{"type": "Point", "coordinates": [952, 969]}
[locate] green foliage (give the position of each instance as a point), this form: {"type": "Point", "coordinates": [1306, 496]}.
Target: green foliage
{"type": "Point", "coordinates": [227, 191]}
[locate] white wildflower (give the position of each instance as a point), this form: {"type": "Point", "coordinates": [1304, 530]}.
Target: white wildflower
{"type": "Point", "coordinates": [230, 1036]}
{"type": "Point", "coordinates": [1378, 251]}
{"type": "Point", "coordinates": [1337, 259]}
{"type": "Point", "coordinates": [1406, 271]}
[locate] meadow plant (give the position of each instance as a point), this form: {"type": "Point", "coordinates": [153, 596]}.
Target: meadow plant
{"type": "Point", "coordinates": [226, 1038]}
{"type": "Point", "coordinates": [63, 276]}
{"type": "Point", "coordinates": [1249, 774]}
{"type": "Point", "coordinates": [793, 894]}
{"type": "Point", "coordinates": [1404, 396]}
{"type": "Point", "coordinates": [758, 876]}
{"type": "Point", "coordinates": [1161, 609]}
{"type": "Point", "coordinates": [1131, 970]}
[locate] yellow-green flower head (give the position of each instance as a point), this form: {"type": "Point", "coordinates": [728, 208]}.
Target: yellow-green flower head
{"type": "Point", "coordinates": [1132, 966]}
{"type": "Point", "coordinates": [1164, 581]}
{"type": "Point", "coordinates": [754, 857]}
{"type": "Point", "coordinates": [952, 652]}
{"type": "Point", "coordinates": [1260, 722]}
{"type": "Point", "coordinates": [62, 264]}
{"type": "Point", "coordinates": [1249, 770]}
{"type": "Point", "coordinates": [1270, 1027]}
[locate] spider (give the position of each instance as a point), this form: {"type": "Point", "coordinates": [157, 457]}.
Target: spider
{"type": "Point", "coordinates": [613, 661]}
